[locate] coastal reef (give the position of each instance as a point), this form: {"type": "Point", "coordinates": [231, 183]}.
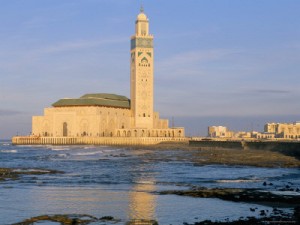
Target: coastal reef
{"type": "Point", "coordinates": [239, 195]}
{"type": "Point", "coordinates": [14, 174]}
{"type": "Point", "coordinates": [81, 219]}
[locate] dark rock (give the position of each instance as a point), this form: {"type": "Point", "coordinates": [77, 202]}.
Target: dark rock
{"type": "Point", "coordinates": [141, 222]}
{"type": "Point", "coordinates": [238, 195]}
{"type": "Point", "coordinates": [107, 218]}
{"type": "Point", "coordinates": [74, 222]}
{"type": "Point", "coordinates": [262, 213]}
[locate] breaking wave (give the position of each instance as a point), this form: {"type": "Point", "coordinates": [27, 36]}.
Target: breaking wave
{"type": "Point", "coordinates": [238, 181]}
{"type": "Point", "coordinates": [87, 153]}
{"type": "Point", "coordinates": [9, 151]}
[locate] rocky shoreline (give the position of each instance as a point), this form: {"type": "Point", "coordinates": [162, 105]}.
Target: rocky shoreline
{"type": "Point", "coordinates": [276, 217]}
{"type": "Point", "coordinates": [208, 155]}
{"type": "Point", "coordinates": [240, 195]}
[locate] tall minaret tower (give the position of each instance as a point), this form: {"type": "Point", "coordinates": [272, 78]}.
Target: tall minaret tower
{"type": "Point", "coordinates": [141, 69]}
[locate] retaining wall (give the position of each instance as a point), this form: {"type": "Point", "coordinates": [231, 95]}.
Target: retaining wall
{"type": "Point", "coordinates": [286, 147]}
{"type": "Point", "coordinates": [28, 140]}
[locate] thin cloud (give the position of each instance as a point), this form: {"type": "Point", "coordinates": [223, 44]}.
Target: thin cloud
{"type": "Point", "coordinates": [272, 91]}
{"type": "Point", "coordinates": [79, 45]}
{"type": "Point", "coordinates": [25, 57]}
{"type": "Point", "coordinates": [193, 60]}
{"type": "Point", "coordinates": [199, 56]}
{"type": "Point", "coordinates": [7, 112]}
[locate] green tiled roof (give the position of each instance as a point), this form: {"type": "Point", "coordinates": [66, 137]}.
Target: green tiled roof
{"type": "Point", "coordinates": [109, 100]}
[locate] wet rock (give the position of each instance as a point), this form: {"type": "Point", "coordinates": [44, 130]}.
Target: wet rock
{"type": "Point", "coordinates": [107, 218]}
{"type": "Point", "coordinates": [62, 219]}
{"type": "Point", "coordinates": [141, 222]}
{"type": "Point", "coordinates": [262, 213]}
{"type": "Point", "coordinates": [238, 195]}
{"type": "Point", "coordinates": [10, 173]}
{"type": "Point", "coordinates": [278, 219]}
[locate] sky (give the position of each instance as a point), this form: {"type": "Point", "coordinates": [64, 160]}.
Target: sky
{"type": "Point", "coordinates": [217, 62]}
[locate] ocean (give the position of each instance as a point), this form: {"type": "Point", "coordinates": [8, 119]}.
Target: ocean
{"type": "Point", "coordinates": [125, 183]}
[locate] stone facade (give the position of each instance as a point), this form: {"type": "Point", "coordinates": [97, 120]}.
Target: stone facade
{"type": "Point", "coordinates": [284, 130]}
{"type": "Point", "coordinates": [107, 115]}
{"type": "Point", "coordinates": [288, 131]}
{"type": "Point", "coordinates": [219, 132]}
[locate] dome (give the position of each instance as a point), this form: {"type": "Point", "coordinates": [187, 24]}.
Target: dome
{"type": "Point", "coordinates": [142, 16]}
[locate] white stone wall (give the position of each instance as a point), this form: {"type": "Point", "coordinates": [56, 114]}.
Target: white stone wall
{"type": "Point", "coordinates": [96, 121]}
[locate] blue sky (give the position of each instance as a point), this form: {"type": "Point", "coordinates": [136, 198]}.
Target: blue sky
{"type": "Point", "coordinates": [217, 62]}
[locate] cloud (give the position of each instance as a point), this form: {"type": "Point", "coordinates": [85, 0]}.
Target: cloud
{"type": "Point", "coordinates": [194, 63]}
{"type": "Point", "coordinates": [7, 112]}
{"type": "Point", "coordinates": [20, 58]}
{"type": "Point", "coordinates": [272, 91]}
{"type": "Point", "coordinates": [79, 45]}
{"type": "Point", "coordinates": [198, 56]}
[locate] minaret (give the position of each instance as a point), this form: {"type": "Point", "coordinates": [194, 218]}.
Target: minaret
{"type": "Point", "coordinates": [141, 69]}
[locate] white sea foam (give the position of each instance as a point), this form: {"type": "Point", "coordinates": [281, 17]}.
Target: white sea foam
{"type": "Point", "coordinates": [294, 193]}
{"type": "Point", "coordinates": [32, 170]}
{"type": "Point", "coordinates": [9, 151]}
{"type": "Point", "coordinates": [145, 182]}
{"type": "Point", "coordinates": [89, 147]}
{"type": "Point", "coordinates": [87, 153]}
{"type": "Point", "coordinates": [238, 181]}
{"type": "Point", "coordinates": [60, 148]}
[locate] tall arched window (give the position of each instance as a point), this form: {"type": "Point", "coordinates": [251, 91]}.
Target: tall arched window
{"type": "Point", "coordinates": [65, 129]}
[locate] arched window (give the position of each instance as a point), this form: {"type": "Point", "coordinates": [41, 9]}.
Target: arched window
{"type": "Point", "coordinates": [65, 129]}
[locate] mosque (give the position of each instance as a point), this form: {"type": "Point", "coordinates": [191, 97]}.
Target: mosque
{"type": "Point", "coordinates": [110, 115]}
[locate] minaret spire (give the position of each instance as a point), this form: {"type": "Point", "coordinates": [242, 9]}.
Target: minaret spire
{"type": "Point", "coordinates": [142, 8]}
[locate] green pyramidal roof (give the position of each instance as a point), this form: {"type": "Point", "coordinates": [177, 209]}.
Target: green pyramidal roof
{"type": "Point", "coordinates": [102, 99]}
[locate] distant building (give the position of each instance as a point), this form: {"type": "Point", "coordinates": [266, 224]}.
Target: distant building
{"type": "Point", "coordinates": [219, 132]}
{"type": "Point", "coordinates": [263, 135]}
{"type": "Point", "coordinates": [242, 134]}
{"type": "Point", "coordinates": [271, 131]}
{"type": "Point", "coordinates": [284, 130]}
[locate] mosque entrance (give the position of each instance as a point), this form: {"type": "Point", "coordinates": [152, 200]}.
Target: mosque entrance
{"type": "Point", "coordinates": [65, 129]}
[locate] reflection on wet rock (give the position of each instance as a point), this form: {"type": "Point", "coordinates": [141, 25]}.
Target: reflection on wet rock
{"type": "Point", "coordinates": [62, 219]}
{"type": "Point", "coordinates": [142, 222]}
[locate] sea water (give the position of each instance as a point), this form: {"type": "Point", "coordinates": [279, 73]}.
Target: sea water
{"type": "Point", "coordinates": [124, 183]}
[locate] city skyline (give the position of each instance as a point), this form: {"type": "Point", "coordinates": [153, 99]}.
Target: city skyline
{"type": "Point", "coordinates": [228, 62]}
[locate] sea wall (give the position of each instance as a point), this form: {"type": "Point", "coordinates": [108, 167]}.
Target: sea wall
{"type": "Point", "coordinates": [30, 140]}
{"type": "Point", "coordinates": [286, 147]}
